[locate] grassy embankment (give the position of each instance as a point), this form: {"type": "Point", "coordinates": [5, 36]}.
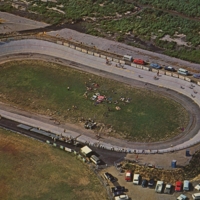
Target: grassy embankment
{"type": "Point", "coordinates": [32, 170]}
{"type": "Point", "coordinates": [42, 87]}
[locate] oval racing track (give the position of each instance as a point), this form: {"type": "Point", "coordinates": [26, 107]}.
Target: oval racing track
{"type": "Point", "coordinates": [169, 85]}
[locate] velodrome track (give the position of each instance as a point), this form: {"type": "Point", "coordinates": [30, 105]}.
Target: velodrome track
{"type": "Point", "coordinates": [33, 46]}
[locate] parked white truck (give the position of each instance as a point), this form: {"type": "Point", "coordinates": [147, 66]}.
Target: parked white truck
{"type": "Point", "coordinates": [159, 186]}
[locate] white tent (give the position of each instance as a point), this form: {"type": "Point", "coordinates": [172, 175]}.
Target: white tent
{"type": "Point", "coordinates": [86, 150]}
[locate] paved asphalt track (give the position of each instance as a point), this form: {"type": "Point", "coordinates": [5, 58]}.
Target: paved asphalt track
{"type": "Point", "coordinates": [106, 156]}
{"type": "Point", "coordinates": [33, 46]}
{"type": "Point", "coordinates": [122, 49]}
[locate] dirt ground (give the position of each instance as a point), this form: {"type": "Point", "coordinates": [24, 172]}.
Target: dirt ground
{"type": "Point", "coordinates": [137, 192]}
{"type": "Point", "coordinates": [164, 160]}
{"type": "Point", "coordinates": [12, 23]}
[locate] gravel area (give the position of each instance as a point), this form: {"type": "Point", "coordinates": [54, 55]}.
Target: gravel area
{"type": "Point", "coordinates": [12, 23]}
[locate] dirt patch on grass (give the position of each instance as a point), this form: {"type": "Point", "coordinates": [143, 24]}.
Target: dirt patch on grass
{"type": "Point", "coordinates": [9, 148]}
{"type": "Point", "coordinates": [84, 181]}
{"type": "Point", "coordinates": [3, 189]}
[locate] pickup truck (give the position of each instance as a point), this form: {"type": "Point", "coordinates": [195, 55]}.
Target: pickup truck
{"type": "Point", "coordinates": [128, 175]}
{"type": "Point", "coordinates": [159, 186]}
{"type": "Point", "coordinates": [168, 189]}
{"type": "Point", "coordinates": [197, 187]}
{"type": "Point", "coordinates": [182, 197]}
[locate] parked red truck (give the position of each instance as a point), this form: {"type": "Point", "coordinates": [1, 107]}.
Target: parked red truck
{"type": "Point", "coordinates": [139, 61]}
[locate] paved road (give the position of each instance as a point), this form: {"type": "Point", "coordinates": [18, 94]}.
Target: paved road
{"type": "Point", "coordinates": [130, 73]}
{"type": "Point", "coordinates": [122, 49]}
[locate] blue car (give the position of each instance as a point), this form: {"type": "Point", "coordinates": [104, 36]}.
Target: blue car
{"type": "Point", "coordinates": [151, 183]}
{"type": "Point", "coordinates": [196, 75]}
{"type": "Point", "coordinates": [155, 65]}
{"type": "Point", "coordinates": [144, 183]}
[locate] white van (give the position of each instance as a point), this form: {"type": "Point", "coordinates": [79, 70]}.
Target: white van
{"type": "Point", "coordinates": [186, 185]}
{"type": "Point", "coordinates": [136, 179]}
{"type": "Point", "coordinates": [95, 159]}
{"type": "Point", "coordinates": [196, 196]}
{"type": "Point", "coordinates": [128, 58]}
{"type": "Point", "coordinates": [183, 71]}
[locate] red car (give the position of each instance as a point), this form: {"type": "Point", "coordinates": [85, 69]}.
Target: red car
{"type": "Point", "coordinates": [139, 61]}
{"type": "Point", "coordinates": [178, 186]}
{"type": "Point", "coordinates": [128, 176]}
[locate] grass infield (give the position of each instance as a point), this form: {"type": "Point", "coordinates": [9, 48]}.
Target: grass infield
{"type": "Point", "coordinates": [43, 88]}
{"type": "Point", "coordinates": [32, 170]}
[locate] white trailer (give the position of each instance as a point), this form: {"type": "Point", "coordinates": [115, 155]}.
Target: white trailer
{"type": "Point", "coordinates": [128, 58]}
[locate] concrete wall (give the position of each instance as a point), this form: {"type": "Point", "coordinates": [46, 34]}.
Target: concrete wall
{"type": "Point", "coordinates": [72, 46]}
{"type": "Point", "coordinates": [66, 44]}
{"type": "Point", "coordinates": [146, 68]}
{"type": "Point", "coordinates": [187, 79]}
{"type": "Point", "coordinates": [168, 73]}
{"type": "Point", "coordinates": [90, 52]}
{"type": "Point", "coordinates": [139, 66]}
{"type": "Point", "coordinates": [154, 70]}
{"type": "Point", "coordinates": [78, 48]}
{"type": "Point", "coordinates": [109, 58]}
{"type": "Point", "coordinates": [84, 50]}
{"type": "Point", "coordinates": [59, 42]}
{"type": "Point", "coordinates": [161, 72]}
{"type": "Point", "coordinates": [102, 56]}
{"type": "Point", "coordinates": [133, 64]}
{"type": "Point", "coordinates": [96, 54]}
{"type": "Point", "coordinates": [182, 77]}
{"type": "Point", "coordinates": [175, 75]}
{"type": "Point", "coordinates": [122, 61]}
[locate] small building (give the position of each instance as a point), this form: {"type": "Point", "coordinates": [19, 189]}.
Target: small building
{"type": "Point", "coordinates": [86, 151]}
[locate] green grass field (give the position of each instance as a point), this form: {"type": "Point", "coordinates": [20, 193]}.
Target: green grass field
{"type": "Point", "coordinates": [31, 170]}
{"type": "Point", "coordinates": [42, 87]}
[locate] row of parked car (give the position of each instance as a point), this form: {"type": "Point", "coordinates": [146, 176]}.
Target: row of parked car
{"type": "Point", "coordinates": [157, 66]}
{"type": "Point", "coordinates": [118, 191]}
{"type": "Point", "coordinates": [159, 185]}
{"type": "Point", "coordinates": [172, 69]}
